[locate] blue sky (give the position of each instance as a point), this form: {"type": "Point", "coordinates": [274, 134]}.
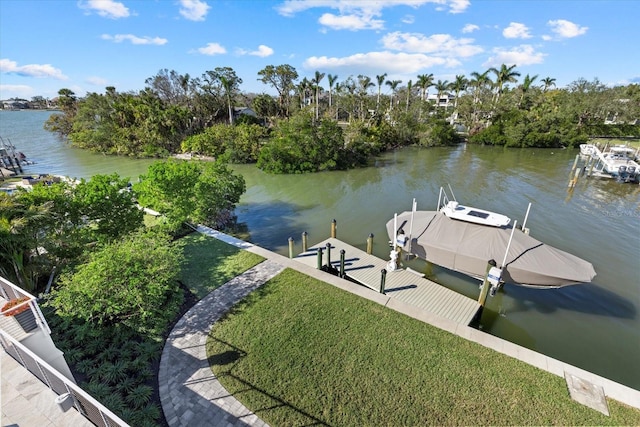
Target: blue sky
{"type": "Point", "coordinates": [87, 45]}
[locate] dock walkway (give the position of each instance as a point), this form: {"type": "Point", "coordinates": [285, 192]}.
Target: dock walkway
{"type": "Point", "coordinates": [399, 284]}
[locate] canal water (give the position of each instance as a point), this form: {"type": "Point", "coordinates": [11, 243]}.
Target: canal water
{"type": "Point", "coordinates": [595, 326]}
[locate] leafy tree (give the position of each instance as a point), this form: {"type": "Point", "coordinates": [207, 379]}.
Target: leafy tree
{"type": "Point", "coordinates": [62, 124]}
{"type": "Point", "coordinates": [281, 78]}
{"type": "Point", "coordinates": [265, 106]}
{"type": "Point", "coordinates": [229, 82]}
{"type": "Point", "coordinates": [301, 144]}
{"type": "Point", "coordinates": [130, 282]}
{"type": "Point", "coordinates": [195, 191]}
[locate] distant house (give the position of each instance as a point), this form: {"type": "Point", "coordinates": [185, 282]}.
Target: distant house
{"type": "Point", "coordinates": [445, 100]}
{"type": "Point", "coordinates": [12, 104]}
{"type": "Point", "coordinates": [240, 111]}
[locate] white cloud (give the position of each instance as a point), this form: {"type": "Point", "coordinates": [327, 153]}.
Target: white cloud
{"type": "Point", "coordinates": [408, 19]}
{"type": "Point", "coordinates": [380, 62]}
{"type": "Point", "coordinates": [31, 70]}
{"type": "Point", "coordinates": [350, 22]}
{"type": "Point", "coordinates": [16, 91]}
{"type": "Point", "coordinates": [105, 8]}
{"type": "Point", "coordinates": [119, 38]}
{"type": "Point", "coordinates": [566, 29]}
{"type": "Point", "coordinates": [360, 14]}
{"type": "Point", "coordinates": [437, 44]}
{"type": "Point", "coordinates": [520, 55]}
{"type": "Point", "coordinates": [263, 51]}
{"type": "Point", "coordinates": [194, 10]}
{"type": "Point", "coordinates": [97, 81]}
{"type": "Point", "coordinates": [516, 30]}
{"type": "Point", "coordinates": [469, 28]}
{"type": "Point", "coordinates": [212, 49]}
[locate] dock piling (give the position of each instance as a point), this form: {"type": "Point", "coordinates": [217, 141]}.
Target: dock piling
{"type": "Point", "coordinates": [370, 244]}
{"type": "Point", "coordinates": [305, 242]}
{"type": "Point", "coordinates": [334, 226]}
{"type": "Point", "coordinates": [290, 247]}
{"type": "Point", "coordinates": [342, 256]}
{"type": "Point", "coordinates": [383, 279]}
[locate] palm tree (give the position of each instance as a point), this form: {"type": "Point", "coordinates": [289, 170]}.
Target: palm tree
{"type": "Point", "coordinates": [393, 84]}
{"type": "Point", "coordinates": [525, 86]}
{"type": "Point", "coordinates": [478, 82]}
{"type": "Point", "coordinates": [316, 82]}
{"type": "Point", "coordinates": [303, 87]}
{"type": "Point", "coordinates": [409, 89]}
{"type": "Point", "coordinates": [442, 87]}
{"type": "Point", "coordinates": [548, 82]}
{"type": "Point", "coordinates": [504, 75]}
{"type": "Point", "coordinates": [332, 80]}
{"type": "Point", "coordinates": [380, 80]}
{"type": "Point", "coordinates": [458, 85]}
{"type": "Point", "coordinates": [425, 81]}
{"type": "Point", "coordinates": [365, 83]}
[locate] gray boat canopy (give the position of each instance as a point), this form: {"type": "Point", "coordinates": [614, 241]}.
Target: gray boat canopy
{"type": "Point", "coordinates": [466, 247]}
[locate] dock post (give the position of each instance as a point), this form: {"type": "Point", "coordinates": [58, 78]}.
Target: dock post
{"type": "Point", "coordinates": [574, 180]}
{"type": "Point", "coordinates": [484, 289]}
{"type": "Point", "coordinates": [333, 229]}
{"type": "Point", "coordinates": [290, 247]}
{"type": "Point", "coordinates": [383, 279]}
{"type": "Point", "coordinates": [305, 242]}
{"type": "Point", "coordinates": [328, 254]}
{"type": "Point", "coordinates": [319, 258]}
{"type": "Point", "coordinates": [370, 244]}
{"type": "Point", "coordinates": [342, 255]}
{"type": "Point", "coordinates": [573, 168]}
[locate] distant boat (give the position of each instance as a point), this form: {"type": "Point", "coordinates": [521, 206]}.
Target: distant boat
{"type": "Point", "coordinates": [467, 246]}
{"type": "Point", "coordinates": [617, 162]}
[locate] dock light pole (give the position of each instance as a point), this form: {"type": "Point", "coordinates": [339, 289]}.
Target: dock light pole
{"type": "Point", "coordinates": [319, 258]}
{"type": "Point", "coordinates": [342, 255]}
{"type": "Point", "coordinates": [290, 247]}
{"type": "Point", "coordinates": [328, 255]}
{"type": "Point", "coordinates": [334, 225]}
{"type": "Point", "coordinates": [305, 242]}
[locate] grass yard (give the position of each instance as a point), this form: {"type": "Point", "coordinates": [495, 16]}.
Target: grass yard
{"type": "Point", "coordinates": [209, 263]}
{"type": "Point", "coordinates": [300, 352]}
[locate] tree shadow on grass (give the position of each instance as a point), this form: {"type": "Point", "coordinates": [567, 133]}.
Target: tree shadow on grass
{"type": "Point", "coordinates": [231, 355]}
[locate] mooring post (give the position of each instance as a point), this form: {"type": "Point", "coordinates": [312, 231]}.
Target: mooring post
{"type": "Point", "coordinates": [319, 258]}
{"type": "Point", "coordinates": [333, 229]}
{"type": "Point", "coordinates": [484, 289]}
{"type": "Point", "coordinates": [342, 255]}
{"type": "Point", "coordinates": [370, 243]}
{"type": "Point", "coordinates": [290, 247]}
{"type": "Point", "coordinates": [328, 254]}
{"type": "Point", "coordinates": [383, 279]}
{"type": "Point", "coordinates": [304, 242]}
{"type": "Point", "coordinates": [573, 168]}
{"type": "Point", "coordinates": [592, 164]}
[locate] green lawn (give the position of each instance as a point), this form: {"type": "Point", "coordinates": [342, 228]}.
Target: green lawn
{"type": "Point", "coordinates": [300, 352]}
{"type": "Point", "coordinates": [209, 263]}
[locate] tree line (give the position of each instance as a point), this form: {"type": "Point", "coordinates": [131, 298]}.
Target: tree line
{"type": "Point", "coordinates": [308, 127]}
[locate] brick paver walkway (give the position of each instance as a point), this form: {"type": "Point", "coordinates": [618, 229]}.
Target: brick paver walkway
{"type": "Point", "coordinates": [190, 393]}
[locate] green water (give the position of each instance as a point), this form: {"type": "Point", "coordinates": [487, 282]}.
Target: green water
{"type": "Point", "coordinates": [594, 326]}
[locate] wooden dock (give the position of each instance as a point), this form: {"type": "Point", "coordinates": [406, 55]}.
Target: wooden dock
{"type": "Point", "coordinates": [400, 284]}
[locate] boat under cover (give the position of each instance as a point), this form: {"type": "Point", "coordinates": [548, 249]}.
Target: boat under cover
{"type": "Point", "coordinates": [466, 247]}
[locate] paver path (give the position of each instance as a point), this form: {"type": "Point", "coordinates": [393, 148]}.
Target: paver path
{"type": "Point", "coordinates": [190, 393]}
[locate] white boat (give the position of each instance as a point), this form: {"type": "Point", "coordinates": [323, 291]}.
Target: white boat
{"type": "Point", "coordinates": [454, 210]}
{"type": "Point", "coordinates": [466, 246]}
{"type": "Point", "coordinates": [588, 149]}
{"type": "Point", "coordinates": [618, 162]}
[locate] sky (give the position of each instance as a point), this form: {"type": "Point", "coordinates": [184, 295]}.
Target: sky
{"type": "Point", "coordinates": [87, 45]}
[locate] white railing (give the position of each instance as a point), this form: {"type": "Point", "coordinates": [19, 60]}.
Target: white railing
{"type": "Point", "coordinates": [70, 395]}
{"type": "Point", "coordinates": [9, 291]}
